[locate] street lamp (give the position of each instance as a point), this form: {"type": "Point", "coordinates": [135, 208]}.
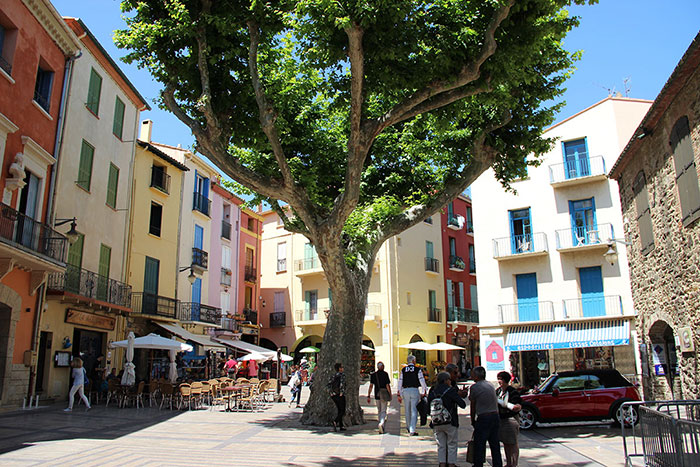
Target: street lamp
{"type": "Point", "coordinates": [191, 277]}
{"type": "Point", "coordinates": [72, 234]}
{"type": "Point", "coordinates": [611, 255]}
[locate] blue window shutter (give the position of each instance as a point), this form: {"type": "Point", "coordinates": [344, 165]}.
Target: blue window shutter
{"type": "Point", "coordinates": [198, 237]}
{"type": "Point", "coordinates": [205, 188]}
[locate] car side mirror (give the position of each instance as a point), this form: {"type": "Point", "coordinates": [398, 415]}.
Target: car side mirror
{"type": "Point", "coordinates": [555, 391]}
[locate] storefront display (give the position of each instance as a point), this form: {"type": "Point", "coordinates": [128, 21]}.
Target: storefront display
{"type": "Point", "coordinates": [594, 358]}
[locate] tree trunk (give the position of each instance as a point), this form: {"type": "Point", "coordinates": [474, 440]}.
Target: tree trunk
{"type": "Point", "coordinates": [342, 343]}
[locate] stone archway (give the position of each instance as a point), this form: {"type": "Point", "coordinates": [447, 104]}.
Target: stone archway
{"type": "Point", "coordinates": [10, 309]}
{"type": "Point", "coordinates": [664, 380]}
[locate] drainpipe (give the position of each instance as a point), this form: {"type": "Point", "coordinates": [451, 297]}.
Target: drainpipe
{"type": "Point", "coordinates": [40, 300]}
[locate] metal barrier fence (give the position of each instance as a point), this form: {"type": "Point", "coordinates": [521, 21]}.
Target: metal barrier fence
{"type": "Point", "coordinates": [668, 433]}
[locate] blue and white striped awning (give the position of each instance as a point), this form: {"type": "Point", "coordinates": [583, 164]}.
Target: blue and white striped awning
{"type": "Point", "coordinates": [568, 335]}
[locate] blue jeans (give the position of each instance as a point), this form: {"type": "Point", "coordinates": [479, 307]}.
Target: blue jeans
{"type": "Point", "coordinates": [411, 397]}
{"type": "Point", "coordinates": [486, 429]}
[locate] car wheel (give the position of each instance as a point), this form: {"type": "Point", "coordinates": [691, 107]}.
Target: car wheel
{"type": "Point", "coordinates": [628, 415]}
{"type": "Point", "coordinates": [528, 418]}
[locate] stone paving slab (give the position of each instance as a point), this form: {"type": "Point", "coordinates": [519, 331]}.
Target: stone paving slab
{"type": "Point", "coordinates": [273, 437]}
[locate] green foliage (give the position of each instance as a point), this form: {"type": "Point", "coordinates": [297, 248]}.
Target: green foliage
{"type": "Point", "coordinates": [304, 67]}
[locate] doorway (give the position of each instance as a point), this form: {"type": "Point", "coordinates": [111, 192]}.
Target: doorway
{"type": "Point", "coordinates": [43, 361]}
{"type": "Point", "coordinates": [89, 346]}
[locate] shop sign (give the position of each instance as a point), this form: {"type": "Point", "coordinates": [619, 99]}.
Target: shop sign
{"type": "Point", "coordinates": [495, 356]}
{"type": "Point", "coordinates": [89, 319]}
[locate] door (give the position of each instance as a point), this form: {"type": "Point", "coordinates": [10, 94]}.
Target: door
{"type": "Point", "coordinates": [526, 289]}
{"type": "Point", "coordinates": [570, 402]}
{"type": "Point", "coordinates": [74, 265]}
{"type": "Point", "coordinates": [43, 360]}
{"type": "Point", "coordinates": [196, 299]}
{"type": "Point", "coordinates": [150, 285]}
{"type": "Point", "coordinates": [197, 257]}
{"type": "Point", "coordinates": [601, 398]}
{"type": "Point", "coordinates": [27, 225]}
{"type": "Point", "coordinates": [309, 256]}
{"type": "Point", "coordinates": [103, 272]}
{"type": "Point", "coordinates": [584, 228]}
{"type": "Point", "coordinates": [592, 298]}
{"type": "Point", "coordinates": [432, 303]}
{"type": "Point", "coordinates": [88, 345]}
{"type": "Point", "coordinates": [520, 231]}
{"type": "Point", "coordinates": [576, 162]}
{"type": "Point", "coordinates": [311, 304]}
{"type": "Point", "coordinates": [452, 312]}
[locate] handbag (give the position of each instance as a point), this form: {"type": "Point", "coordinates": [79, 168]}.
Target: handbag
{"type": "Point", "coordinates": [471, 447]}
{"type": "Point", "coordinates": [384, 395]}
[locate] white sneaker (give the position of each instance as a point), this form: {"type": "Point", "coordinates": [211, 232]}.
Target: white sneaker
{"type": "Point", "coordinates": [67, 410]}
{"type": "Point", "coordinates": [381, 429]}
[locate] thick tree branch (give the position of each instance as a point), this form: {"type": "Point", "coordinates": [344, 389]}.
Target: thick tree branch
{"type": "Point", "coordinates": [282, 213]}
{"type": "Point", "coordinates": [469, 73]}
{"type": "Point", "coordinates": [357, 149]}
{"type": "Point", "coordinates": [205, 99]}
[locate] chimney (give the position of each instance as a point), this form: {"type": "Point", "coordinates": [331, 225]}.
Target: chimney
{"type": "Point", "coordinates": [146, 130]}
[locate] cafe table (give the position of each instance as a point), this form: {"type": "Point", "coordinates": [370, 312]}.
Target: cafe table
{"type": "Point", "coordinates": [234, 394]}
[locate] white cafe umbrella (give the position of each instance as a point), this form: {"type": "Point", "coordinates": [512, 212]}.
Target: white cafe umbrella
{"type": "Point", "coordinates": [284, 357]}
{"type": "Point", "coordinates": [129, 376]}
{"type": "Point", "coordinates": [258, 357]}
{"type": "Point", "coordinates": [173, 365]}
{"type": "Point", "coordinates": [154, 341]}
{"type": "Point", "coordinates": [445, 346]}
{"type": "Point", "coordinates": [417, 346]}
{"type": "Point", "coordinates": [310, 349]}
{"type": "Point", "coordinates": [368, 348]}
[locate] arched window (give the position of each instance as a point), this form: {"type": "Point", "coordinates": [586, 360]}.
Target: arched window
{"type": "Point", "coordinates": [641, 201]}
{"type": "Point", "coordinates": [686, 172]}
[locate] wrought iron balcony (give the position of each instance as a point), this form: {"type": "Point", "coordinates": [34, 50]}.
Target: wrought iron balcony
{"type": "Point", "coordinates": [229, 324]}
{"type": "Point", "coordinates": [5, 65]}
{"type": "Point", "coordinates": [453, 222]}
{"type": "Point", "coordinates": [90, 285]}
{"type": "Point", "coordinates": [278, 319]}
{"type": "Point", "coordinates": [250, 315]}
{"type": "Point", "coordinates": [580, 170]}
{"type": "Point", "coordinates": [25, 233]}
{"type": "Point", "coordinates": [197, 312]}
{"type": "Point", "coordinates": [159, 179]}
{"type": "Point", "coordinates": [201, 203]}
{"type": "Point", "coordinates": [200, 258]}
{"type": "Point", "coordinates": [462, 315]}
{"type": "Point", "coordinates": [309, 265]}
{"type": "Point", "coordinates": [432, 264]}
{"type": "Point", "coordinates": [226, 230]}
{"type": "Point", "coordinates": [226, 276]}
{"type": "Point", "coordinates": [281, 264]}
{"type": "Point", "coordinates": [250, 274]}
{"type": "Point", "coordinates": [312, 314]}
{"type": "Point", "coordinates": [434, 314]}
{"type": "Point", "coordinates": [152, 304]}
{"type": "Point", "coordinates": [457, 263]}
{"type": "Point", "coordinates": [526, 311]}
{"type": "Point", "coordinates": [584, 307]}
{"type": "Point", "coordinates": [584, 237]}
{"type": "Point", "coordinates": [520, 245]}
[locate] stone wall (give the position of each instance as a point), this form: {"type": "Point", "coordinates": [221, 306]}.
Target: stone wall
{"type": "Point", "coordinates": [666, 281]}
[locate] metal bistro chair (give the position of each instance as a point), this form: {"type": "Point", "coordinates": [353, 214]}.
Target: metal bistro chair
{"type": "Point", "coordinates": [113, 392]}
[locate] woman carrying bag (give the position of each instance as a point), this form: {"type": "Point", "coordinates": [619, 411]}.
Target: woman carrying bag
{"type": "Point", "coordinates": [79, 380]}
{"type": "Point", "coordinates": [508, 407]}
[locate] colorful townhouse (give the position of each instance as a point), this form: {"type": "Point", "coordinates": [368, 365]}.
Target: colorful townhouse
{"type": "Point", "coordinates": [88, 301]}
{"type": "Point", "coordinates": [459, 271]}
{"type": "Point", "coordinates": [658, 177]}
{"type": "Point", "coordinates": [406, 301]}
{"type": "Point", "coordinates": [37, 50]}
{"type": "Point", "coordinates": [549, 298]}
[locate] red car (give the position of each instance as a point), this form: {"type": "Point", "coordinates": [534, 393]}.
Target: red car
{"type": "Point", "coordinates": [580, 395]}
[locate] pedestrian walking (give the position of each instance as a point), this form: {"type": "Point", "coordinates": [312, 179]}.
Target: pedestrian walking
{"type": "Point", "coordinates": [410, 379]}
{"type": "Point", "coordinates": [508, 407]}
{"type": "Point", "coordinates": [79, 379]}
{"type": "Point", "coordinates": [485, 419]}
{"type": "Point", "coordinates": [380, 382]}
{"type": "Point", "coordinates": [294, 385]}
{"type": "Point", "coordinates": [446, 429]}
{"type": "Point", "coordinates": [230, 367]}
{"type": "Point", "coordinates": [337, 387]}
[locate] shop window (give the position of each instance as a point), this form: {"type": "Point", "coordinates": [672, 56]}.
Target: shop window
{"type": "Point", "coordinates": [594, 358]}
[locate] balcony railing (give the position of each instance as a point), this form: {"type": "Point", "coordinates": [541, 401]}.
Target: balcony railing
{"type": "Point", "coordinates": [192, 311]}
{"type": "Point", "coordinates": [159, 179]}
{"type": "Point", "coordinates": [229, 324]}
{"type": "Point", "coordinates": [308, 263]}
{"type": "Point", "coordinates": [22, 231]}
{"type": "Point", "coordinates": [579, 168]}
{"type": "Point", "coordinates": [201, 203]}
{"type": "Point", "coordinates": [453, 222]}
{"type": "Point", "coordinates": [278, 319]}
{"type": "Point", "coordinates": [152, 304]}
{"type": "Point", "coordinates": [250, 315]}
{"type": "Point", "coordinates": [90, 285]}
{"type": "Point", "coordinates": [584, 236]}
{"type": "Point", "coordinates": [472, 266]}
{"type": "Point", "coordinates": [281, 264]}
{"type": "Point", "coordinates": [432, 264]}
{"type": "Point", "coordinates": [530, 311]}
{"type": "Point", "coordinates": [308, 315]}
{"type": "Point", "coordinates": [226, 230]}
{"type": "Point", "coordinates": [610, 305]}
{"type": "Point", "coordinates": [457, 263]}
{"type": "Point", "coordinates": [434, 314]}
{"type": "Point", "coordinates": [5, 65]}
{"type": "Point", "coordinates": [462, 315]}
{"type": "Point", "coordinates": [520, 244]}
{"type": "Point", "coordinates": [250, 274]}
{"type": "Point", "coordinates": [225, 276]}
{"type": "Point", "coordinates": [200, 258]}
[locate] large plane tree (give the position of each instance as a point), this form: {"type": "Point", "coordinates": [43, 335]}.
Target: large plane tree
{"type": "Point", "coordinates": [355, 119]}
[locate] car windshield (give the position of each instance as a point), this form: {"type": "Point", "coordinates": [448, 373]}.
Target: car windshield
{"type": "Point", "coordinates": [544, 383]}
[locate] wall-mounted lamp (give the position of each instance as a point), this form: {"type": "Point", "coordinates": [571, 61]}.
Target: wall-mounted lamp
{"type": "Point", "coordinates": [611, 255]}
{"type": "Point", "coordinates": [191, 277]}
{"type": "Point", "coordinates": [72, 234]}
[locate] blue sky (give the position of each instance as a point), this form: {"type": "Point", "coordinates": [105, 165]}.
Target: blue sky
{"type": "Point", "coordinates": [637, 40]}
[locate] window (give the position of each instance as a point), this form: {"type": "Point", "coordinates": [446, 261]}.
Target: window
{"type": "Point", "coordinates": [428, 249]}
{"type": "Point", "coordinates": [225, 303]}
{"type": "Point", "coordinates": [201, 201]}
{"type": "Point", "coordinates": [311, 304]}
{"type": "Point", "coordinates": [408, 298]}
{"type": "Point", "coordinates": [279, 302]}
{"type": "Point", "coordinates": [42, 89]}
{"type": "Point", "coordinates": [428, 220]}
{"type": "Point", "coordinates": [470, 222]}
{"type": "Point", "coordinates": [576, 158]}
{"type": "Point", "coordinates": [686, 172]}
{"type": "Point", "coordinates": [472, 259]}
{"type": "Point", "coordinates": [641, 202]}
{"type": "Point", "coordinates": [571, 383]}
{"type": "Point", "coordinates": [225, 257]}
{"type": "Point", "coordinates": [156, 219]}
{"type": "Point", "coordinates": [251, 224]}
{"type": "Point", "coordinates": [281, 257]}
{"type": "Point", "coordinates": [160, 180]}
{"type": "Point", "coordinates": [118, 124]}
{"type": "Point", "coordinates": [8, 40]}
{"type": "Point", "coordinates": [453, 246]}
{"type": "Point", "coordinates": [521, 231]}
{"type": "Point", "coordinates": [433, 312]}
{"type": "Point", "coordinates": [112, 184]}
{"type": "Point", "coordinates": [87, 153]}
{"type": "Point", "coordinates": [474, 298]}
{"type": "Point", "coordinates": [94, 90]}
{"type": "Point", "coordinates": [584, 228]}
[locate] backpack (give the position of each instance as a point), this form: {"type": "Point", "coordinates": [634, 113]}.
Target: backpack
{"type": "Point", "coordinates": [439, 415]}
